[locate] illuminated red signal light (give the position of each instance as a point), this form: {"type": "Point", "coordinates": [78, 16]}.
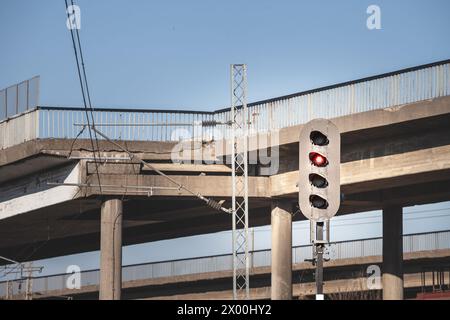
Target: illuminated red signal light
{"type": "Point", "coordinates": [317, 159]}
{"type": "Point", "coordinates": [319, 152]}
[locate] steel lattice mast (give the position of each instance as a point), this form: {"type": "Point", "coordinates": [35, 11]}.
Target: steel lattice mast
{"type": "Point", "coordinates": [239, 171]}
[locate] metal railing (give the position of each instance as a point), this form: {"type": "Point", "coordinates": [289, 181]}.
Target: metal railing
{"type": "Point", "coordinates": [372, 93]}
{"type": "Point", "coordinates": [124, 124]}
{"type": "Point", "coordinates": [19, 98]}
{"type": "Point", "coordinates": [261, 258]}
{"type": "Point", "coordinates": [378, 92]}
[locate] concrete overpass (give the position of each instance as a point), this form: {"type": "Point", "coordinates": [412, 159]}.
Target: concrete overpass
{"type": "Point", "coordinates": [395, 153]}
{"type": "Point", "coordinates": [426, 260]}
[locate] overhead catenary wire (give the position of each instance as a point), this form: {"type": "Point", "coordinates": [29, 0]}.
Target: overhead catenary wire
{"type": "Point", "coordinates": [96, 139]}
{"type": "Point", "coordinates": [210, 202]}
{"type": "Point", "coordinates": [82, 77]}
{"type": "Point", "coordinates": [83, 85]}
{"type": "Point", "coordinates": [88, 106]}
{"type": "Point", "coordinates": [299, 228]}
{"type": "Point", "coordinates": [203, 123]}
{"type": "Point", "coordinates": [346, 224]}
{"type": "Point", "coordinates": [91, 109]}
{"type": "Point", "coordinates": [36, 249]}
{"type": "Point", "coordinates": [88, 110]}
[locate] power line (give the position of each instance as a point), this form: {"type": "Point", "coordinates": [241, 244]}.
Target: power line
{"type": "Point", "coordinates": [362, 223]}
{"type": "Point", "coordinates": [84, 86]}
{"type": "Point", "coordinates": [88, 111]}
{"type": "Point", "coordinates": [43, 243]}
{"type": "Point", "coordinates": [91, 127]}
{"type": "Point", "coordinates": [378, 215]}
{"type": "Point", "coordinates": [305, 228]}
{"type": "Point", "coordinates": [209, 202]}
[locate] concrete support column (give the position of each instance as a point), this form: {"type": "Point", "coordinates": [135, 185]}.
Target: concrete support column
{"type": "Point", "coordinates": [281, 287]}
{"type": "Point", "coordinates": [111, 250]}
{"type": "Point", "coordinates": [392, 253]}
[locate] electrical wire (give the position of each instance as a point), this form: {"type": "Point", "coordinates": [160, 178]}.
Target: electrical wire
{"type": "Point", "coordinates": [86, 99]}
{"type": "Point", "coordinates": [210, 202]}
{"type": "Point", "coordinates": [88, 110]}
{"type": "Point", "coordinates": [91, 127]}
{"type": "Point", "coordinates": [91, 109]}
{"type": "Point", "coordinates": [84, 87]}
{"type": "Point", "coordinates": [362, 223]}
{"type": "Point", "coordinates": [44, 243]}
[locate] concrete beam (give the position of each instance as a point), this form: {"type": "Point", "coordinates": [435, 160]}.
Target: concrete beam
{"type": "Point", "coordinates": [347, 289]}
{"type": "Point", "coordinates": [187, 167]}
{"type": "Point", "coordinates": [32, 193]}
{"type": "Point", "coordinates": [372, 173]}
{"type": "Point", "coordinates": [356, 122]}
{"type": "Point", "coordinates": [111, 250]}
{"type": "Point", "coordinates": [429, 111]}
{"type": "Point", "coordinates": [356, 176]}
{"type": "Point", "coordinates": [392, 253]}
{"type": "Point", "coordinates": [134, 168]}
{"type": "Point", "coordinates": [257, 187]}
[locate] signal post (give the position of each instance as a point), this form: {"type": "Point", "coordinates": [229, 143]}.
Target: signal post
{"type": "Point", "coordinates": [319, 184]}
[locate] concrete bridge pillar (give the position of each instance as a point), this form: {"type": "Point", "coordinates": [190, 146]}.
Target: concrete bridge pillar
{"type": "Point", "coordinates": [111, 250]}
{"type": "Point", "coordinates": [392, 253]}
{"type": "Point", "coordinates": [281, 287]}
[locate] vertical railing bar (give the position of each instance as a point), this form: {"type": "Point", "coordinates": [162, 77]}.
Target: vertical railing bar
{"type": "Point", "coordinates": [6, 103]}
{"type": "Point", "coordinates": [158, 128]}
{"type": "Point", "coordinates": [129, 126]}
{"type": "Point", "coordinates": [58, 123]}
{"type": "Point", "coordinates": [28, 92]}
{"type": "Point", "coordinates": [17, 99]}
{"type": "Point", "coordinates": [151, 127]}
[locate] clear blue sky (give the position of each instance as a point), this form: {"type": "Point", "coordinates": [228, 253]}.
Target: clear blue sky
{"type": "Point", "coordinates": [176, 55]}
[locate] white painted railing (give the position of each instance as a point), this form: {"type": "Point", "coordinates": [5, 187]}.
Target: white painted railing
{"type": "Point", "coordinates": [378, 92]}
{"type": "Point", "coordinates": [261, 258]}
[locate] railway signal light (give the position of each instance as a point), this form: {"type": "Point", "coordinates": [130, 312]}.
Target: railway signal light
{"type": "Point", "coordinates": [319, 170]}
{"type": "Point", "coordinates": [318, 181]}
{"type": "Point", "coordinates": [318, 138]}
{"type": "Point", "coordinates": [317, 159]}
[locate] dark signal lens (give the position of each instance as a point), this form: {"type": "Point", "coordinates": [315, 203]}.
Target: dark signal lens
{"type": "Point", "coordinates": [318, 202]}
{"type": "Point", "coordinates": [317, 159]}
{"type": "Point", "coordinates": [318, 138]}
{"type": "Point", "coordinates": [318, 181]}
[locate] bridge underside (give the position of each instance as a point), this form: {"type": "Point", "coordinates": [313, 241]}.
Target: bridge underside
{"type": "Point", "coordinates": [345, 279]}
{"type": "Point", "coordinates": [399, 157]}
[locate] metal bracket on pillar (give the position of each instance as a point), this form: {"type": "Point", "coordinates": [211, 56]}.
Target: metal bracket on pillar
{"type": "Point", "coordinates": [313, 232]}
{"type": "Point", "coordinates": [239, 172]}
{"type": "Point", "coordinates": [319, 242]}
{"type": "Point", "coordinates": [147, 190]}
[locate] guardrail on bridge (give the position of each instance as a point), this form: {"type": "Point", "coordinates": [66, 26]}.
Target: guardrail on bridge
{"type": "Point", "coordinates": [261, 258]}
{"type": "Point", "coordinates": [377, 92]}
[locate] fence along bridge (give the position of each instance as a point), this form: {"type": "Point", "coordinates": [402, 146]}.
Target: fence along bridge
{"type": "Point", "coordinates": [425, 243]}
{"type": "Point", "coordinates": [378, 92]}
